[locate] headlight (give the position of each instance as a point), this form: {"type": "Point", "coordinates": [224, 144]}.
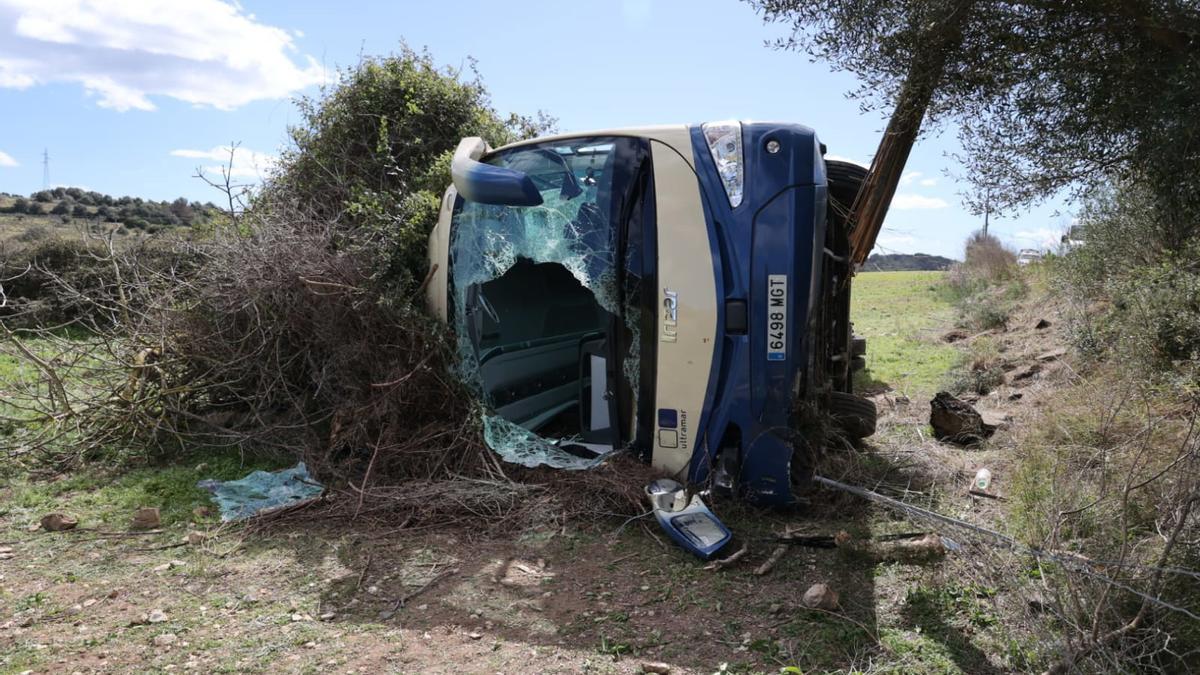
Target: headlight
{"type": "Point", "coordinates": [725, 143]}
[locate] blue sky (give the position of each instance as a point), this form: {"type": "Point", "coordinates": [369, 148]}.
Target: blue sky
{"type": "Point", "coordinates": [131, 97]}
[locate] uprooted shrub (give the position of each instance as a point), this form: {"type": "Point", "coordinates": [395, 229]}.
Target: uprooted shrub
{"type": "Point", "coordinates": [301, 330]}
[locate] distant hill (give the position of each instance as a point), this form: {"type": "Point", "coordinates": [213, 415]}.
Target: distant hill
{"type": "Point", "coordinates": [134, 213]}
{"type": "Point", "coordinates": [906, 262]}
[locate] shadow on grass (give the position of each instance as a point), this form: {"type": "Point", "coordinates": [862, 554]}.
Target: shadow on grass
{"type": "Point", "coordinates": [945, 614]}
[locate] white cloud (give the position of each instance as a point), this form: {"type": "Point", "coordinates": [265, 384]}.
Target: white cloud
{"type": "Point", "coordinates": [246, 163]}
{"type": "Point", "coordinates": [928, 182]}
{"type": "Point", "coordinates": [907, 201]}
{"type": "Point", "coordinates": [7, 160]}
{"type": "Point", "coordinates": [1042, 237]}
{"type": "Point", "coordinates": [204, 52]}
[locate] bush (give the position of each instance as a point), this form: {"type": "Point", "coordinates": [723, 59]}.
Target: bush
{"type": "Point", "coordinates": [35, 232]}
{"type": "Point", "coordinates": [55, 281]}
{"type": "Point", "coordinates": [1136, 297]}
{"type": "Point", "coordinates": [299, 328]}
{"type": "Point", "coordinates": [987, 284]}
{"type": "Point", "coordinates": [371, 157]}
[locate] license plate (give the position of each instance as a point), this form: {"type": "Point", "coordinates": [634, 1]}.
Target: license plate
{"type": "Point", "coordinates": [777, 311]}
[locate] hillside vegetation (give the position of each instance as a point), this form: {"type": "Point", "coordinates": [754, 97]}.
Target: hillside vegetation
{"type": "Point", "coordinates": [906, 262]}
{"type": "Point", "coordinates": [55, 211]}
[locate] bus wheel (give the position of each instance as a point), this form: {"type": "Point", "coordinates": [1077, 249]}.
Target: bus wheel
{"type": "Point", "coordinates": [855, 415]}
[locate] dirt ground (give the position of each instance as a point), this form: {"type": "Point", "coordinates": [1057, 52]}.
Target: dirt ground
{"type": "Point", "coordinates": [603, 597]}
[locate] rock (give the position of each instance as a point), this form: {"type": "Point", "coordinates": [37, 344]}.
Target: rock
{"type": "Point", "coordinates": [1038, 603]}
{"type": "Point", "coordinates": [1053, 354]}
{"type": "Point", "coordinates": [165, 639]}
{"type": "Point", "coordinates": [196, 538]}
{"type": "Point", "coordinates": [146, 518]}
{"type": "Point", "coordinates": [994, 418]}
{"type": "Point", "coordinates": [820, 596]}
{"type": "Point", "coordinates": [58, 522]}
{"type": "Point", "coordinates": [656, 667]}
{"type": "Point", "coordinates": [327, 616]}
{"type": "Point", "coordinates": [156, 616]}
{"type": "Point", "coordinates": [474, 635]}
{"type": "Point", "coordinates": [1025, 373]}
{"type": "Point", "coordinates": [955, 336]}
{"type": "Point", "coordinates": [89, 602]}
{"type": "Point", "coordinates": [1042, 324]}
{"type": "Point", "coordinates": [956, 421]}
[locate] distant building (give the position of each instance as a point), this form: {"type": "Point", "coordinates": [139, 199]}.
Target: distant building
{"type": "Point", "coordinates": [1028, 255]}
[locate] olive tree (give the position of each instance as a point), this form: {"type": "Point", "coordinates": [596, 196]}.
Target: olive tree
{"type": "Point", "coordinates": [1047, 94]}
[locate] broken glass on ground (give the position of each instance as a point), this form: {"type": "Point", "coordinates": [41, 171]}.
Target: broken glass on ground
{"type": "Point", "coordinates": [262, 491]}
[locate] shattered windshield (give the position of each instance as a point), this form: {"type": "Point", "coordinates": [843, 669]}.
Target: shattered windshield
{"type": "Point", "coordinates": [545, 311]}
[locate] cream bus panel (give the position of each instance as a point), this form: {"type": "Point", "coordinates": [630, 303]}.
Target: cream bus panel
{"type": "Point", "coordinates": [687, 318]}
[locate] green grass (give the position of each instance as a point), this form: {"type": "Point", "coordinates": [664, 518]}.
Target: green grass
{"type": "Point", "coordinates": [902, 315]}
{"type": "Point", "coordinates": [101, 498]}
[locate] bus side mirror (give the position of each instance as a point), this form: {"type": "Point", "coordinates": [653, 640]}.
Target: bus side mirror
{"type": "Point", "coordinates": [488, 184]}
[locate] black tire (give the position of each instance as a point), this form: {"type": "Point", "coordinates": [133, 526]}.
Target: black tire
{"type": "Point", "coordinates": [855, 415]}
{"type": "Point", "coordinates": [844, 179]}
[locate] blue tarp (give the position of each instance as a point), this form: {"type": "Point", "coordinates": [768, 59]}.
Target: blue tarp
{"type": "Point", "coordinates": [262, 491]}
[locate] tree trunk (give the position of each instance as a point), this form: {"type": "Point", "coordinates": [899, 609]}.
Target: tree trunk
{"type": "Point", "coordinates": [924, 76]}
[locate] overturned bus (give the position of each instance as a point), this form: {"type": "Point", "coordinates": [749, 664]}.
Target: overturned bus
{"type": "Point", "coordinates": [679, 291]}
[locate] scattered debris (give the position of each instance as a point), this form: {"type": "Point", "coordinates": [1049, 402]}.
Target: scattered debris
{"type": "Point", "coordinates": [1053, 354]}
{"type": "Point", "coordinates": [146, 518]}
{"type": "Point", "coordinates": [776, 556]}
{"type": "Point", "coordinates": [956, 421]}
{"type": "Point", "coordinates": [165, 639]}
{"type": "Point", "coordinates": [657, 668]}
{"type": "Point", "coordinates": [6, 553]}
{"type": "Point", "coordinates": [983, 479]}
{"type": "Point", "coordinates": [263, 491]}
{"type": "Point", "coordinates": [202, 512]}
{"type": "Point", "coordinates": [986, 495]}
{"type": "Point", "coordinates": [474, 635]}
{"type": "Point", "coordinates": [726, 562]}
{"type": "Point", "coordinates": [909, 547]}
{"type": "Point", "coordinates": [156, 616]}
{"type": "Point", "coordinates": [58, 522]}
{"type": "Point", "coordinates": [1025, 373]}
{"type": "Point", "coordinates": [688, 521]}
{"type": "Point", "coordinates": [955, 336]}
{"type": "Point", "coordinates": [1042, 324]}
{"type": "Point", "coordinates": [820, 596]}
{"type": "Point", "coordinates": [196, 538]}
{"type": "Point", "coordinates": [809, 540]}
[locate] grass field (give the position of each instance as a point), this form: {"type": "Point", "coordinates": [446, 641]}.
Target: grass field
{"type": "Point", "coordinates": [902, 315]}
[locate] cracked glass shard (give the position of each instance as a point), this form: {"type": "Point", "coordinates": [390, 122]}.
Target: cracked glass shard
{"type": "Point", "coordinates": [534, 291]}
